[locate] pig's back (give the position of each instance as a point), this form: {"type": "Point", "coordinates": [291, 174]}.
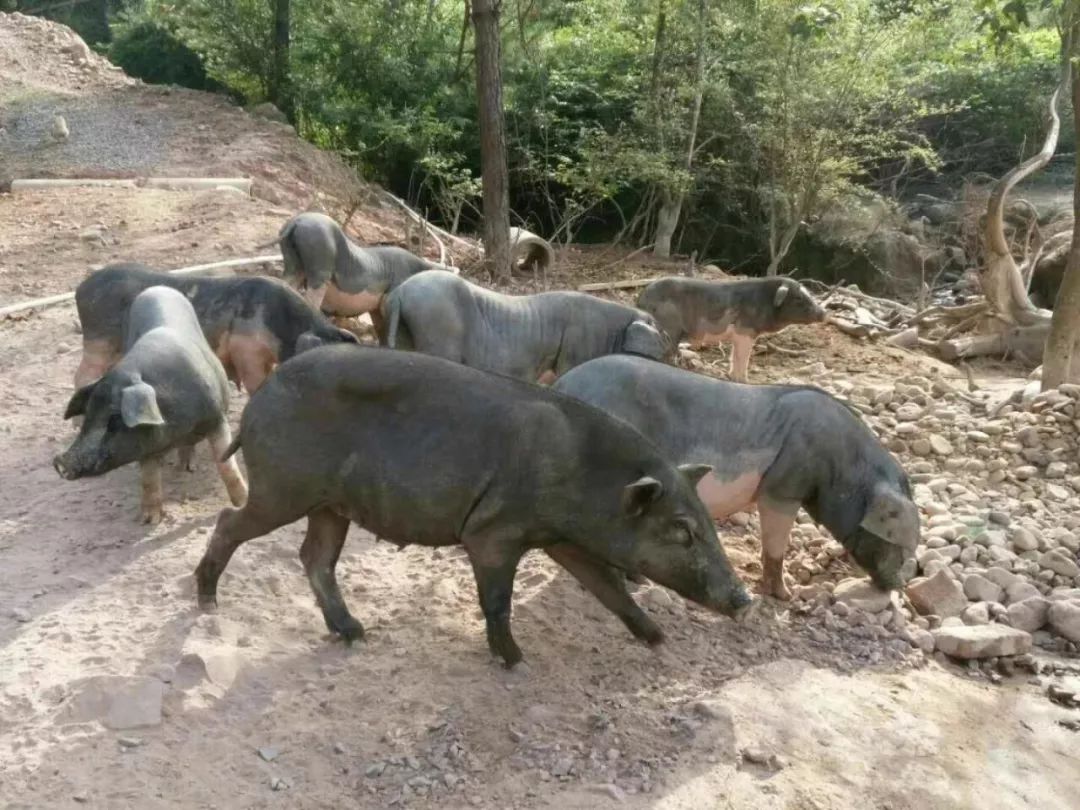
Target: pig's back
{"type": "Point", "coordinates": [407, 444]}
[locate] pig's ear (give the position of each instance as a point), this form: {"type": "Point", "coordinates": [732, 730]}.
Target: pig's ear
{"type": "Point", "coordinates": [644, 339]}
{"type": "Point", "coordinates": [893, 518]}
{"type": "Point", "coordinates": [138, 405]}
{"type": "Point", "coordinates": [781, 294]}
{"type": "Point", "coordinates": [693, 473]}
{"type": "Point", "coordinates": [77, 405]}
{"type": "Point", "coordinates": [638, 495]}
{"type": "Point", "coordinates": [307, 341]}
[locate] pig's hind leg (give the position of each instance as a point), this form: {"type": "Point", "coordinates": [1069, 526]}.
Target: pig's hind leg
{"type": "Point", "coordinates": [609, 586]}
{"type": "Point", "coordinates": [228, 469]}
{"type": "Point", "coordinates": [494, 554]}
{"type": "Point", "coordinates": [234, 528]}
{"type": "Point", "coordinates": [184, 455]}
{"type": "Point", "coordinates": [322, 546]}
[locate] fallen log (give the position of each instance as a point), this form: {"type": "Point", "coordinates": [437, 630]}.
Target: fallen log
{"type": "Point", "coordinates": [62, 298]}
{"type": "Point", "coordinates": [531, 250]}
{"type": "Point", "coordinates": [625, 284]}
{"type": "Point", "coordinates": [31, 184]}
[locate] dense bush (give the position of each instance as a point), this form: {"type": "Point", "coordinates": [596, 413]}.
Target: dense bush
{"type": "Point", "coordinates": [154, 54]}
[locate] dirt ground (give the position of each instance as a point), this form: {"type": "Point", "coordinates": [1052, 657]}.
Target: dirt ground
{"type": "Point", "coordinates": [259, 708]}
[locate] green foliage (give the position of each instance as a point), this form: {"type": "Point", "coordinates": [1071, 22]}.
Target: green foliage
{"type": "Point", "coordinates": [155, 55]}
{"type": "Point", "coordinates": [804, 104]}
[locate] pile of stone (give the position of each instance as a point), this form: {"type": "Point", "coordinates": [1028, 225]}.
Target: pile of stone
{"type": "Point", "coordinates": [999, 492]}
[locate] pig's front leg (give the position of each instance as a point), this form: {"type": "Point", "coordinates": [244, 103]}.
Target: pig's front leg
{"type": "Point", "coordinates": [609, 586]}
{"type": "Point", "coordinates": [742, 346]}
{"type": "Point", "coordinates": [228, 468]}
{"type": "Point", "coordinates": [153, 497]}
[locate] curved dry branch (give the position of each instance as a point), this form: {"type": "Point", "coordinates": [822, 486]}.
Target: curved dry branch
{"type": "Point", "coordinates": [995, 207]}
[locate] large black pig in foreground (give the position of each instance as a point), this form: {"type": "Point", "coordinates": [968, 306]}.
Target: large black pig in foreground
{"type": "Point", "coordinates": [779, 446]}
{"type": "Point", "coordinates": [421, 450]}
{"type": "Point", "coordinates": [168, 391]}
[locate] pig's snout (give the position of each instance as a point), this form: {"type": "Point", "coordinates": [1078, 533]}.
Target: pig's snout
{"type": "Point", "coordinates": [908, 570]}
{"type": "Point", "coordinates": [62, 467]}
{"type": "Point", "coordinates": [738, 606]}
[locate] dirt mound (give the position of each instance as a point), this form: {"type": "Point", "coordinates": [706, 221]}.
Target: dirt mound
{"type": "Point", "coordinates": [120, 127]}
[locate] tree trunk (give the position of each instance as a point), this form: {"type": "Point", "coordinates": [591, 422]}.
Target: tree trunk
{"type": "Point", "coordinates": [1060, 360]}
{"type": "Point", "coordinates": [667, 218]}
{"type": "Point", "coordinates": [493, 171]}
{"type": "Point", "coordinates": [1000, 278]}
{"type": "Point", "coordinates": [780, 250]}
{"type": "Point", "coordinates": [671, 209]}
{"type": "Point", "coordinates": [279, 89]}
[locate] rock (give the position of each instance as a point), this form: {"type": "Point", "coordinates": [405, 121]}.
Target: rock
{"type": "Point", "coordinates": [563, 766]}
{"type": "Point", "coordinates": [119, 703]}
{"type": "Point", "coordinates": [1029, 614]}
{"type": "Point", "coordinates": [981, 641]}
{"type": "Point", "coordinates": [1024, 540]}
{"type": "Point", "coordinates": [658, 599]}
{"type": "Point", "coordinates": [759, 756]}
{"type": "Point", "coordinates": [279, 783]}
{"type": "Point", "coordinates": [129, 742]}
{"type": "Point", "coordinates": [93, 235]}
{"type": "Point", "coordinates": [940, 445]}
{"type": "Point", "coordinates": [979, 589]}
{"type": "Point", "coordinates": [909, 413]}
{"type": "Point", "coordinates": [610, 790]}
{"type": "Point", "coordinates": [268, 754]}
{"type": "Point", "coordinates": [1060, 562]}
{"type": "Point", "coordinates": [20, 615]}
{"type": "Point", "coordinates": [1026, 471]}
{"type": "Point", "coordinates": [923, 639]}
{"type": "Point", "coordinates": [1056, 469]}
{"type": "Point", "coordinates": [939, 594]}
{"type": "Point", "coordinates": [861, 594]}
{"type": "Point", "coordinates": [374, 769]}
{"type": "Point", "coordinates": [921, 447]}
{"type": "Point", "coordinates": [1064, 618]}
{"type": "Point", "coordinates": [1019, 591]}
{"type": "Point", "coordinates": [978, 613]}
{"type": "Point", "coordinates": [1057, 492]}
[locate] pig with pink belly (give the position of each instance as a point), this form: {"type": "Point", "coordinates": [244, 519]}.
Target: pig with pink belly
{"type": "Point", "coordinates": [780, 447]}
{"type": "Point", "coordinates": [168, 391]}
{"type": "Point", "coordinates": [252, 323]}
{"type": "Point", "coordinates": [733, 311]}
{"type": "Point", "coordinates": [339, 276]}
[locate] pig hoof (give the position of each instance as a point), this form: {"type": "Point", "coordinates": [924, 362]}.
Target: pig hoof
{"type": "Point", "coordinates": [779, 590]}
{"type": "Point", "coordinates": [208, 602]}
{"type": "Point", "coordinates": [351, 631]}
{"type": "Point", "coordinates": [152, 515]}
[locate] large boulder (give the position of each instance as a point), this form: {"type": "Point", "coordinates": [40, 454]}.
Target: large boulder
{"type": "Point", "coordinates": [981, 640]}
